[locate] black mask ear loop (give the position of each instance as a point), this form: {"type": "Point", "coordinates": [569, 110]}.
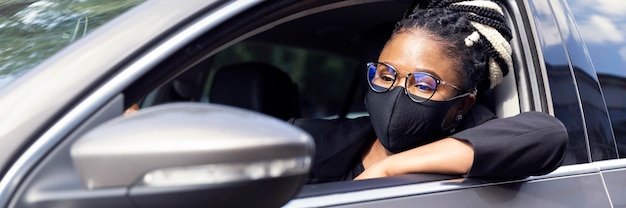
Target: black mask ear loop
{"type": "Point", "coordinates": [452, 127]}
{"type": "Point", "coordinates": [457, 119]}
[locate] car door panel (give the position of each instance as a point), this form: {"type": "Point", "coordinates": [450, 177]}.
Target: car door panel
{"type": "Point", "coordinates": [570, 188]}
{"type": "Point", "coordinates": [616, 185]}
{"type": "Point", "coordinates": [577, 191]}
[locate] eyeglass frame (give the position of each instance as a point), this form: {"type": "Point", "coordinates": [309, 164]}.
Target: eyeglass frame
{"type": "Point", "coordinates": [438, 81]}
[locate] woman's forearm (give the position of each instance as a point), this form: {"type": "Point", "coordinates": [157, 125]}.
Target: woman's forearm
{"type": "Point", "coordinates": [446, 156]}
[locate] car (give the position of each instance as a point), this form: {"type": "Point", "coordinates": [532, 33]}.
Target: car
{"type": "Point", "coordinates": [216, 81]}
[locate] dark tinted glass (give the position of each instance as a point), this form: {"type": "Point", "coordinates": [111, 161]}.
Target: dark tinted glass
{"type": "Point", "coordinates": [562, 82]}
{"type": "Point", "coordinates": [603, 28]}
{"type": "Point", "coordinates": [601, 141]}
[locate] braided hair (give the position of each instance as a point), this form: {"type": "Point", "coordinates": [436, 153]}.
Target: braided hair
{"type": "Point", "coordinates": [474, 34]}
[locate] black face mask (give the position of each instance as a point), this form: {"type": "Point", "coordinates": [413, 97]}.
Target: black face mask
{"type": "Point", "coordinates": [402, 124]}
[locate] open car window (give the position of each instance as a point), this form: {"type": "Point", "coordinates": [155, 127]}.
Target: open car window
{"type": "Point", "coordinates": [322, 52]}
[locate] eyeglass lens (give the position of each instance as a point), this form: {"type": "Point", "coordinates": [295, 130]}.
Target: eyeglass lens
{"type": "Point", "coordinates": [420, 86]}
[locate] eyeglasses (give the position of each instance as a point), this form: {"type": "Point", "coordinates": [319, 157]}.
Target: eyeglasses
{"type": "Point", "coordinates": [419, 86]}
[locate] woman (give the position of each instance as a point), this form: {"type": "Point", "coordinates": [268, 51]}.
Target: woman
{"type": "Point", "coordinates": [421, 102]}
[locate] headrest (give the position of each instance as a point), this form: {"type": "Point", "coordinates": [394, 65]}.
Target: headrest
{"type": "Point", "coordinates": [256, 86]}
{"type": "Point", "coordinates": [187, 85]}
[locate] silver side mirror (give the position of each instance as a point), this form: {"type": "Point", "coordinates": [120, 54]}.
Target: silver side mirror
{"type": "Point", "coordinates": [186, 155]}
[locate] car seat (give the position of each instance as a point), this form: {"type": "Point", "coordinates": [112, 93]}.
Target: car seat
{"type": "Point", "coordinates": [256, 86]}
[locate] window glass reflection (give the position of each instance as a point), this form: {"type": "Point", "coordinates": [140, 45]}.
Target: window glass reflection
{"type": "Point", "coordinates": [561, 80]}
{"type": "Point", "coordinates": [603, 27]}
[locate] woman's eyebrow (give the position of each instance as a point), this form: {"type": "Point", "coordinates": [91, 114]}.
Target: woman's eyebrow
{"type": "Point", "coordinates": [431, 72]}
{"type": "Point", "coordinates": [414, 69]}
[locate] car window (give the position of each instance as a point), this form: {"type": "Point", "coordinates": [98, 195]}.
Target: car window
{"type": "Point", "coordinates": [596, 118]}
{"type": "Point", "coordinates": [31, 30]}
{"type": "Point", "coordinates": [322, 78]}
{"type": "Point", "coordinates": [603, 27]}
{"type": "Point", "coordinates": [562, 83]}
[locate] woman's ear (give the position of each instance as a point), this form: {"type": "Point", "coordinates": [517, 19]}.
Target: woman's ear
{"type": "Point", "coordinates": [467, 103]}
{"type": "Point", "coordinates": [459, 110]}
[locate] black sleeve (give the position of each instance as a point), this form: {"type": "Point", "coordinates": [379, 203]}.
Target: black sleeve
{"type": "Point", "coordinates": [338, 146]}
{"type": "Point", "coordinates": [531, 143]}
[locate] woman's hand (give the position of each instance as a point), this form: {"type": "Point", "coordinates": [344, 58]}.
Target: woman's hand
{"type": "Point", "coordinates": [446, 156]}
{"type": "Point", "coordinates": [377, 170]}
{"type": "Point", "coordinates": [132, 109]}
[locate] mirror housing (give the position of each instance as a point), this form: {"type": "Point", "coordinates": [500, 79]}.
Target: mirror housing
{"type": "Point", "coordinates": [190, 154]}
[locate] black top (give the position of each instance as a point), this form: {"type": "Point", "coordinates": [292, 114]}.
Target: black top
{"type": "Point", "coordinates": [531, 143]}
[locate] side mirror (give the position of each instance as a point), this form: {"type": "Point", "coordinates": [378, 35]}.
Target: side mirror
{"type": "Point", "coordinates": [196, 155]}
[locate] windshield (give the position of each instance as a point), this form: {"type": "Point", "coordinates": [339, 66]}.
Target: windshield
{"type": "Point", "coordinates": [33, 30]}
